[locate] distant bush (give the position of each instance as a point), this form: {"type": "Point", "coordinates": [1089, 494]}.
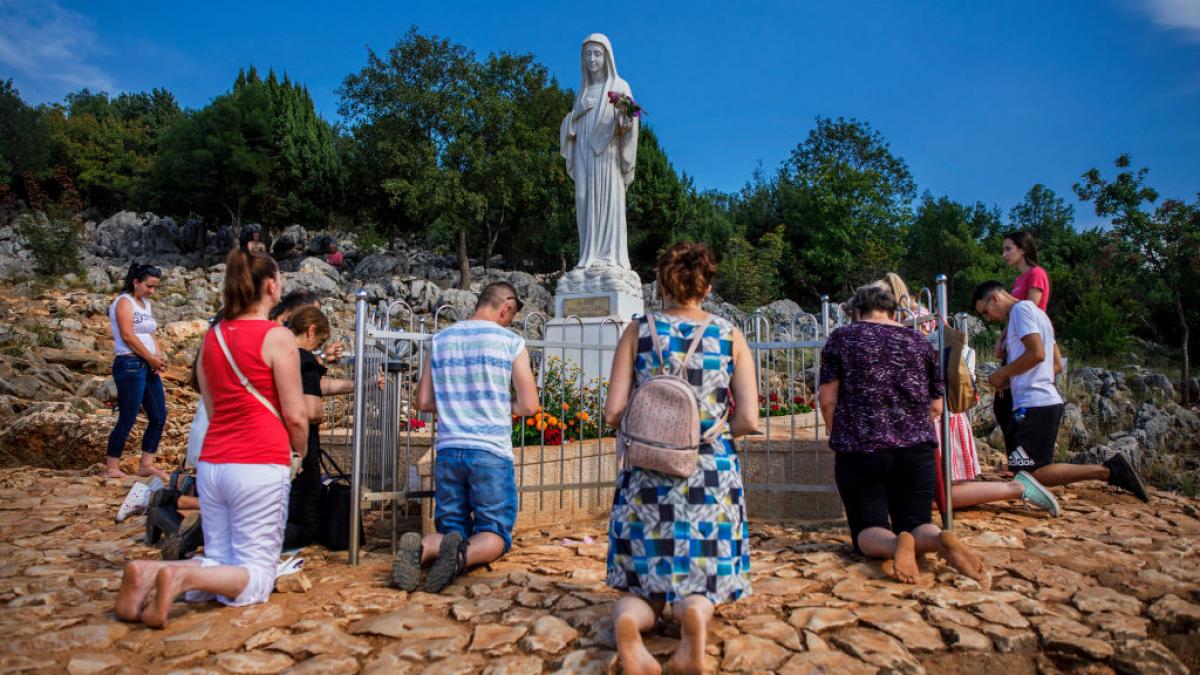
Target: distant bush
{"type": "Point", "coordinates": [52, 228]}
{"type": "Point", "coordinates": [53, 241]}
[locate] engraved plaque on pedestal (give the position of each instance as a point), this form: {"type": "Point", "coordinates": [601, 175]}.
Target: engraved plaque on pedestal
{"type": "Point", "coordinates": [588, 306]}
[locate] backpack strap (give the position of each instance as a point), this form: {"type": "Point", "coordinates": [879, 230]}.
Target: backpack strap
{"type": "Point", "coordinates": [652, 326]}
{"type": "Point", "coordinates": [718, 425]}
{"type": "Point", "coordinates": [696, 340]}
{"type": "Point", "coordinates": [240, 376]}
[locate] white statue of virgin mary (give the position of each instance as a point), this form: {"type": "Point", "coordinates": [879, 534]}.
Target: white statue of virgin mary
{"type": "Point", "coordinates": [599, 143]}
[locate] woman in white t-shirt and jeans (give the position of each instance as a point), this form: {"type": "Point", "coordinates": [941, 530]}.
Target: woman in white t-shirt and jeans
{"type": "Point", "coordinates": [136, 370]}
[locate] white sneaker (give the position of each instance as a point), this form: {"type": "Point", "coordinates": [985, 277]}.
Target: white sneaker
{"type": "Point", "coordinates": [289, 566]}
{"type": "Point", "coordinates": [135, 502]}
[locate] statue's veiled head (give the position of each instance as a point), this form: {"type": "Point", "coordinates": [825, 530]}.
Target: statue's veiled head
{"type": "Point", "coordinates": [597, 60]}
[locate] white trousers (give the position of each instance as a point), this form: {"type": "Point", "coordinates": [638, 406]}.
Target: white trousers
{"type": "Point", "coordinates": [243, 508]}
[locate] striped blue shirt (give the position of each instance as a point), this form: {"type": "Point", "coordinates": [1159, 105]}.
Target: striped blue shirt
{"type": "Point", "coordinates": [471, 367]}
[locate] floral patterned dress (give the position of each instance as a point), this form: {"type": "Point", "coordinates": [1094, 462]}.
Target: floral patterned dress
{"type": "Point", "coordinates": [672, 537]}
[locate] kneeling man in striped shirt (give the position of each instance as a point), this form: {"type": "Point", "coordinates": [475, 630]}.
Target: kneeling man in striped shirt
{"type": "Point", "coordinates": [468, 379]}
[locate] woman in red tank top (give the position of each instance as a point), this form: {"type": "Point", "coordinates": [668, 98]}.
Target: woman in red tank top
{"type": "Point", "coordinates": [243, 475]}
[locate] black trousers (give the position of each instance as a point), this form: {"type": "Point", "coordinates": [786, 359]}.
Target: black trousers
{"type": "Point", "coordinates": [892, 489]}
{"type": "Point", "coordinates": [304, 503]}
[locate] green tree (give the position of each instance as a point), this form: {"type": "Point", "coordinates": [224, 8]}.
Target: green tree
{"type": "Point", "coordinates": [1164, 241]}
{"type": "Point", "coordinates": [27, 141]}
{"type": "Point", "coordinates": [216, 161]}
{"type": "Point", "coordinates": [749, 274]}
{"type": "Point", "coordinates": [258, 152]}
{"type": "Point", "coordinates": [946, 238]}
{"type": "Point", "coordinates": [110, 145]}
{"type": "Point", "coordinates": [463, 147]}
{"type": "Point", "coordinates": [305, 176]}
{"type": "Point", "coordinates": [844, 200]}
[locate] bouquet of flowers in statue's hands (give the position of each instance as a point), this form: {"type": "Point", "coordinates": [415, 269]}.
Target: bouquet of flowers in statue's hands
{"type": "Point", "coordinates": [626, 104]}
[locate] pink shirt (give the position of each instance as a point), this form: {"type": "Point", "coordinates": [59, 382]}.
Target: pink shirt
{"type": "Point", "coordinates": [1036, 277]}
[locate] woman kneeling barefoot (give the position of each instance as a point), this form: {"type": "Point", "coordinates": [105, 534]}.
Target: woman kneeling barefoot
{"type": "Point", "coordinates": [257, 426]}
{"type": "Point", "coordinates": [881, 387]}
{"type": "Point", "coordinates": [674, 540]}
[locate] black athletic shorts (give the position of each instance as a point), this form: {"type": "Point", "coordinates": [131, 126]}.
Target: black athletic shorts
{"type": "Point", "coordinates": [892, 489]}
{"type": "Point", "coordinates": [1030, 437]}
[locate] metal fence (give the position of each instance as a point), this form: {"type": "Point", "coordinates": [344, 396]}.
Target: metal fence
{"type": "Point", "coordinates": [388, 446]}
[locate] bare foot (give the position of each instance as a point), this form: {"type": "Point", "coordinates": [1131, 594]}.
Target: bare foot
{"type": "Point", "coordinates": [167, 586]}
{"type": "Point", "coordinates": [635, 659]}
{"type": "Point", "coordinates": [114, 473]}
{"type": "Point", "coordinates": [688, 658]}
{"type": "Point", "coordinates": [135, 586]}
{"type": "Point", "coordinates": [960, 557]}
{"type": "Point", "coordinates": [904, 565]}
{"type": "Point", "coordinates": [148, 470]}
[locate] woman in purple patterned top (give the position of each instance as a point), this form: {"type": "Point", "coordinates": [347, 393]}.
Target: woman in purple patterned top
{"type": "Point", "coordinates": [881, 386]}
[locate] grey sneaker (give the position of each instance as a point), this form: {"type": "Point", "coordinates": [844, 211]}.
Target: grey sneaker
{"type": "Point", "coordinates": [451, 562]}
{"type": "Point", "coordinates": [406, 566]}
{"type": "Point", "coordinates": [1035, 493]}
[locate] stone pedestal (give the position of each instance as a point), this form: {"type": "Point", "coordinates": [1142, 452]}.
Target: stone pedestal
{"type": "Point", "coordinates": [589, 318]}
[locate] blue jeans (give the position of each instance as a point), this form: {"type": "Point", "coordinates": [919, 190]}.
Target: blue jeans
{"type": "Point", "coordinates": [475, 491]}
{"type": "Point", "coordinates": [138, 387]}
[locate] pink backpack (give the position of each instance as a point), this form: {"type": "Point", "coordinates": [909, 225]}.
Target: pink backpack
{"type": "Point", "coordinates": [660, 430]}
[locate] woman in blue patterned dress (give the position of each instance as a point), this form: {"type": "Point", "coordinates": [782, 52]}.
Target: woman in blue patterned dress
{"type": "Point", "coordinates": [682, 541]}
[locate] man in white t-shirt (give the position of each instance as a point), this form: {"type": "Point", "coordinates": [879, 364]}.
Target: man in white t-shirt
{"type": "Point", "coordinates": [1034, 360]}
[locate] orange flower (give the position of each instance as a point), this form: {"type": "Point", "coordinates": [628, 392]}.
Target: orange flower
{"type": "Point", "coordinates": [583, 416]}
{"type": "Point", "coordinates": [566, 406]}
{"type": "Point", "coordinates": [530, 422]}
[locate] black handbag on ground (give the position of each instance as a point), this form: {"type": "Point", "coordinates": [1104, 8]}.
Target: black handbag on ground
{"type": "Point", "coordinates": [334, 530]}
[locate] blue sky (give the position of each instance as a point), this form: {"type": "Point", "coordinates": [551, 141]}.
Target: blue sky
{"type": "Point", "coordinates": [982, 99]}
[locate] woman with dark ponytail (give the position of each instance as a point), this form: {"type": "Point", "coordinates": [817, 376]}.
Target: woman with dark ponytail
{"type": "Point", "coordinates": [249, 376]}
{"type": "Point", "coordinates": [136, 369]}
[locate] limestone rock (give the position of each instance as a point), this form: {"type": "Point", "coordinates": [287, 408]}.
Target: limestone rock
{"type": "Point", "coordinates": [1120, 626]}
{"type": "Point", "coordinates": [963, 638]}
{"type": "Point", "coordinates": [496, 638]}
{"type": "Point", "coordinates": [590, 662]}
{"type": "Point", "coordinates": [878, 649]}
{"type": "Point", "coordinates": [1010, 640]}
{"type": "Point", "coordinates": [326, 639]}
{"type": "Point", "coordinates": [748, 653]}
{"type": "Point", "coordinates": [905, 625]}
{"type": "Point", "coordinates": [461, 302]}
{"type": "Point", "coordinates": [768, 627]}
{"type": "Point", "coordinates": [826, 663]}
{"type": "Point", "coordinates": [91, 664]}
{"type": "Point", "coordinates": [550, 635]}
{"type": "Point", "coordinates": [93, 636]}
{"type": "Point", "coordinates": [515, 665]}
{"type": "Point", "coordinates": [1000, 613]}
{"type": "Point", "coordinates": [327, 663]}
{"type": "Point", "coordinates": [1146, 657]}
{"type": "Point", "coordinates": [297, 582]}
{"type": "Point", "coordinates": [254, 662]}
{"type": "Point", "coordinates": [1088, 649]}
{"type": "Point", "coordinates": [1175, 614]}
{"type": "Point", "coordinates": [818, 619]}
{"type": "Point", "coordinates": [1102, 599]}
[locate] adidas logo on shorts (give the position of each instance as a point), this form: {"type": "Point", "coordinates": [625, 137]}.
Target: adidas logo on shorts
{"type": "Point", "coordinates": [1019, 458]}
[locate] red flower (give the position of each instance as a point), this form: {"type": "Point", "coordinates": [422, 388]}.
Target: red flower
{"type": "Point", "coordinates": [774, 407]}
{"type": "Point", "coordinates": [554, 436]}
{"type": "Point", "coordinates": [774, 396]}
{"type": "Point", "coordinates": [798, 399]}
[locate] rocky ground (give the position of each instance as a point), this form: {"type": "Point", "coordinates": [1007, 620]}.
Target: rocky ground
{"type": "Point", "coordinates": [1114, 585]}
